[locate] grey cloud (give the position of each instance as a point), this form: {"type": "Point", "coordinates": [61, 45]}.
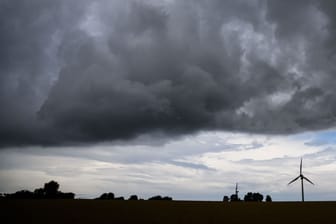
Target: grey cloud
{"type": "Point", "coordinates": [187, 66]}
{"type": "Point", "coordinates": [191, 165]}
{"type": "Point", "coordinates": [292, 17]}
{"type": "Point", "coordinates": [29, 40]}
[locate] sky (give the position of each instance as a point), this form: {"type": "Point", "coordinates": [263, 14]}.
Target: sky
{"type": "Point", "coordinates": [179, 98]}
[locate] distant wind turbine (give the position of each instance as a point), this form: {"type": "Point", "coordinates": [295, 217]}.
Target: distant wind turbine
{"type": "Point", "coordinates": [302, 177]}
{"type": "Point", "coordinates": [237, 189]}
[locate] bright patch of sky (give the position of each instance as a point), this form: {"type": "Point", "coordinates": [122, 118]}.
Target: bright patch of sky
{"type": "Point", "coordinates": [202, 167]}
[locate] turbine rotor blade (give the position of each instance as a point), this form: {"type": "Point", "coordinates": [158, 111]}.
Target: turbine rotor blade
{"type": "Point", "coordinates": [294, 180]}
{"type": "Point", "coordinates": [301, 167]}
{"type": "Point", "coordinates": [307, 180]}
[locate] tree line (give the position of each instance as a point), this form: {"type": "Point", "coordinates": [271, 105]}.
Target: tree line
{"type": "Point", "coordinates": [110, 196]}
{"type": "Point", "coordinates": [249, 197]}
{"type": "Point", "coordinates": [50, 190]}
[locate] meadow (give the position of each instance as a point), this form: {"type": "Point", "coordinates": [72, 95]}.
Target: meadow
{"type": "Point", "coordinates": [110, 211]}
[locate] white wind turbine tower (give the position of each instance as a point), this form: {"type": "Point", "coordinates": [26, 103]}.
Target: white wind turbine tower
{"type": "Point", "coordinates": [301, 177]}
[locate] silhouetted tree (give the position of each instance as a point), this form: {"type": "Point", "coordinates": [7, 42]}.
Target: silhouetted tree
{"type": "Point", "coordinates": [39, 193]}
{"type": "Point", "coordinates": [258, 197]}
{"type": "Point", "coordinates": [166, 198]}
{"type": "Point", "coordinates": [51, 189]}
{"type": "Point", "coordinates": [156, 198]}
{"type": "Point", "coordinates": [133, 198]}
{"type": "Point", "coordinates": [159, 198]}
{"type": "Point", "coordinates": [106, 196]}
{"type": "Point", "coordinates": [248, 197]}
{"type": "Point", "coordinates": [226, 198]}
{"type": "Point", "coordinates": [119, 198]}
{"type": "Point", "coordinates": [253, 197]}
{"type": "Point", "coordinates": [234, 198]}
{"type": "Point", "coordinates": [268, 198]}
{"type": "Point", "coordinates": [23, 194]}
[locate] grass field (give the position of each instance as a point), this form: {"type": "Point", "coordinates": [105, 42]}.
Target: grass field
{"type": "Point", "coordinates": [98, 211]}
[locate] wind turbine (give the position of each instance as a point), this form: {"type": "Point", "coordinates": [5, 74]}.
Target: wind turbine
{"type": "Point", "coordinates": [301, 177]}
{"type": "Point", "coordinates": [237, 189]}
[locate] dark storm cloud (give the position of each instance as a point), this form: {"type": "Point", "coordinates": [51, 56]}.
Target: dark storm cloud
{"type": "Point", "coordinates": [108, 70]}
{"type": "Point", "coordinates": [29, 35]}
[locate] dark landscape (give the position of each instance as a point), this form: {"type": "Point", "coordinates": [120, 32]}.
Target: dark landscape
{"type": "Point", "coordinates": [112, 211]}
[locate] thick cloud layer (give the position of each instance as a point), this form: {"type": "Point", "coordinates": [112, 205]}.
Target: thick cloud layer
{"type": "Point", "coordinates": [108, 70]}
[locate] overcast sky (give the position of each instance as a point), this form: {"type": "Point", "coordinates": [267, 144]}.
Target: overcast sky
{"type": "Point", "coordinates": [180, 98]}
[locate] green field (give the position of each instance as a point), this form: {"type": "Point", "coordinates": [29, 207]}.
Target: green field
{"type": "Point", "coordinates": [99, 211]}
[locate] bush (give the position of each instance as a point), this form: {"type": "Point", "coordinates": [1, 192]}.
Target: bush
{"type": "Point", "coordinates": [133, 198]}
{"type": "Point", "coordinates": [268, 198]}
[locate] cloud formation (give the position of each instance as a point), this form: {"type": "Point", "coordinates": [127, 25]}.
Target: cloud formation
{"type": "Point", "coordinates": [194, 168]}
{"type": "Point", "coordinates": [113, 70]}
